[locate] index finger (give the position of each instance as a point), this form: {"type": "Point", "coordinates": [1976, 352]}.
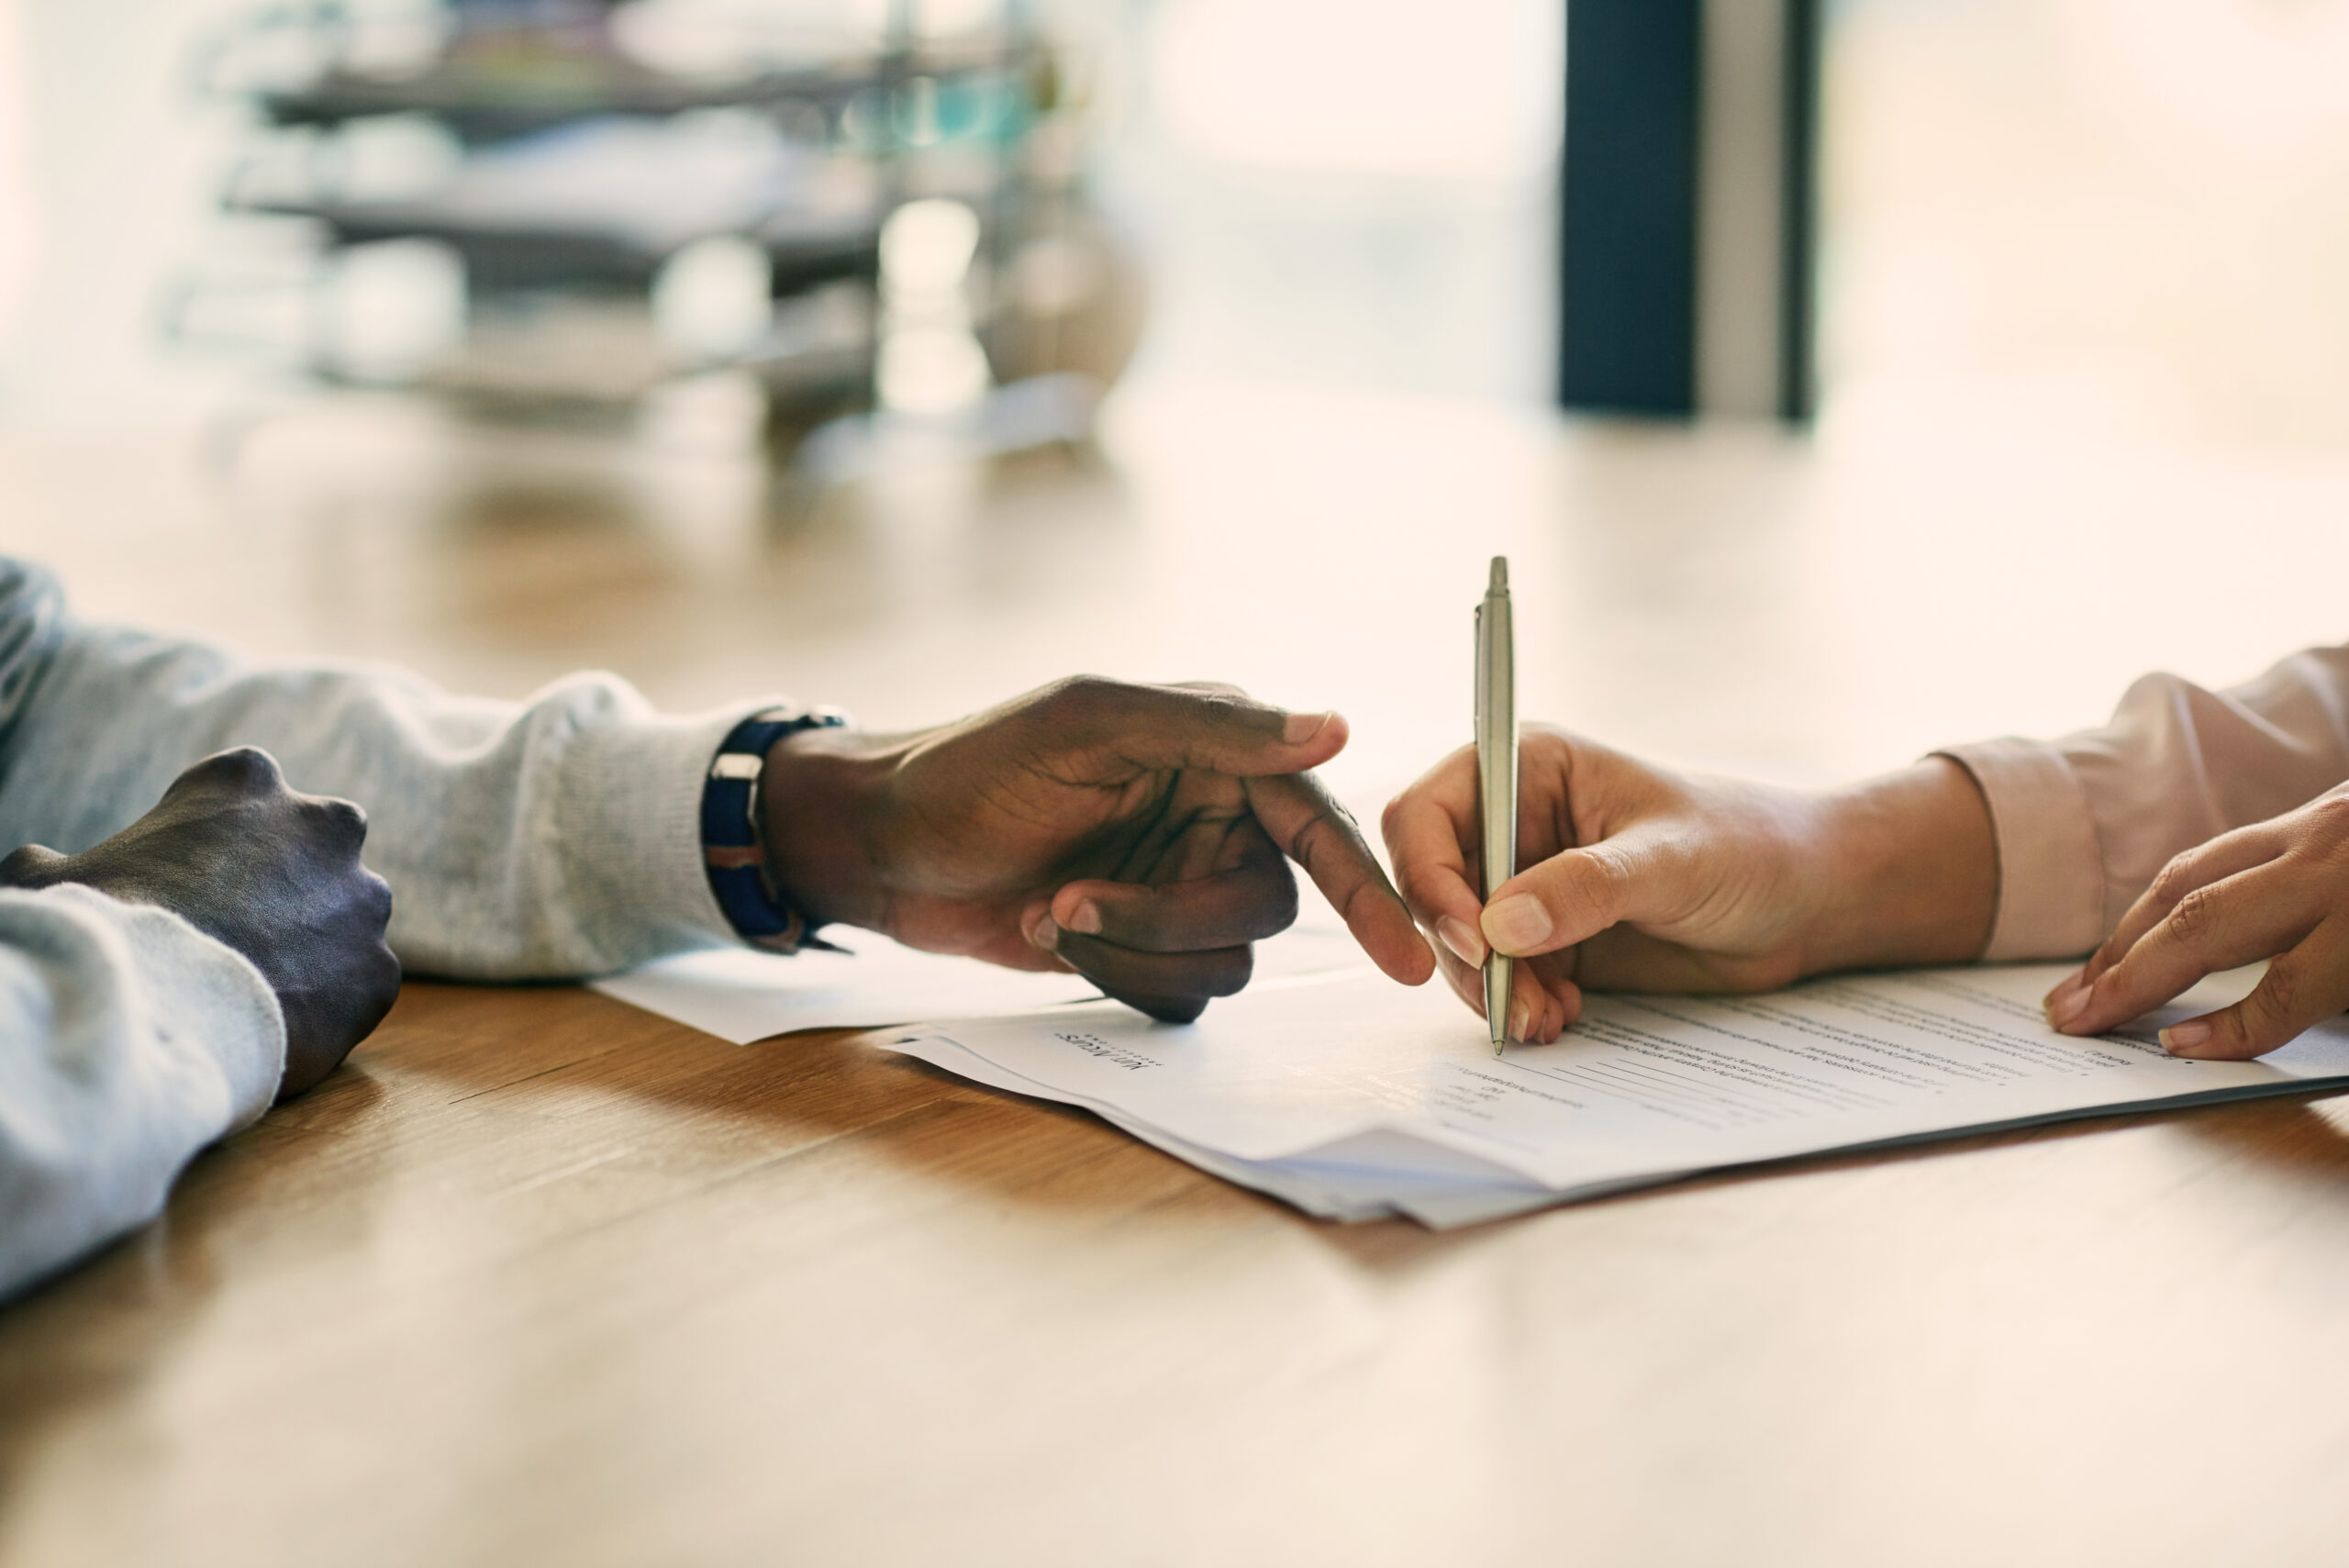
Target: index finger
{"type": "Point", "coordinates": [1428, 830]}
{"type": "Point", "coordinates": [1299, 815]}
{"type": "Point", "coordinates": [2237, 920]}
{"type": "Point", "coordinates": [2215, 860]}
{"type": "Point", "coordinates": [2074, 1002]}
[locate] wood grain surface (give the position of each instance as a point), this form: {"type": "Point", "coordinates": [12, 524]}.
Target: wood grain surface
{"type": "Point", "coordinates": [542, 1279]}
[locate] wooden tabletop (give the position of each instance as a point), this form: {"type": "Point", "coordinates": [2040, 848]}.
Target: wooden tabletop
{"type": "Point", "coordinates": [544, 1279]}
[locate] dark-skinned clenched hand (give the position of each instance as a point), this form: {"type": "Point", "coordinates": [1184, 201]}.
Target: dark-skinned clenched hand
{"type": "Point", "coordinates": [273, 874]}
{"type": "Point", "coordinates": [1138, 835]}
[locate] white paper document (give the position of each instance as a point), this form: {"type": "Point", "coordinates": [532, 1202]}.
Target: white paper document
{"type": "Point", "coordinates": [1351, 1097]}
{"type": "Point", "coordinates": [743, 994]}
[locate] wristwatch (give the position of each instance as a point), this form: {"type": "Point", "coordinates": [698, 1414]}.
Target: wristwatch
{"type": "Point", "coordinates": [733, 843]}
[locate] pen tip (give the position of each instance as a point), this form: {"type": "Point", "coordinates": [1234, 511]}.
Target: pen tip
{"type": "Point", "coordinates": [1500, 572]}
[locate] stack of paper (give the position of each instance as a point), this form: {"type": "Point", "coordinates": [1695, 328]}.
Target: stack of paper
{"type": "Point", "coordinates": [743, 994]}
{"type": "Point", "coordinates": [1352, 1097]}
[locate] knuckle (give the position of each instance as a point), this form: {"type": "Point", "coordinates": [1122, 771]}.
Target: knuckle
{"type": "Point", "coordinates": [385, 982]}
{"type": "Point", "coordinates": [1213, 688]}
{"type": "Point", "coordinates": [1076, 698]}
{"type": "Point", "coordinates": [2327, 838]}
{"type": "Point", "coordinates": [1282, 910]}
{"type": "Point", "coordinates": [1543, 744]}
{"type": "Point", "coordinates": [2276, 1000]}
{"type": "Point", "coordinates": [1311, 838]}
{"type": "Point", "coordinates": [1216, 706]}
{"type": "Point", "coordinates": [24, 866]}
{"type": "Point", "coordinates": [242, 767]}
{"type": "Point", "coordinates": [1273, 892]}
{"type": "Point", "coordinates": [2329, 815]}
{"type": "Point", "coordinates": [1586, 899]}
{"type": "Point", "coordinates": [343, 819]}
{"type": "Point", "coordinates": [2175, 880]}
{"type": "Point", "coordinates": [2199, 916]}
{"type": "Point", "coordinates": [378, 899]}
{"type": "Point", "coordinates": [1321, 845]}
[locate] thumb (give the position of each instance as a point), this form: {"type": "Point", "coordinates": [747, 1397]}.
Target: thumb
{"type": "Point", "coordinates": [1217, 728]}
{"type": "Point", "coordinates": [1576, 893]}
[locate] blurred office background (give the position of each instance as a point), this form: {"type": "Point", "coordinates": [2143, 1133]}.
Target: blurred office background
{"type": "Point", "coordinates": [1291, 174]}
{"type": "Point", "coordinates": [2082, 295]}
{"type": "Point", "coordinates": [2133, 206]}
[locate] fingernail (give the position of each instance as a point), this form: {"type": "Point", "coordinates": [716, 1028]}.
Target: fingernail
{"type": "Point", "coordinates": [1304, 727]}
{"type": "Point", "coordinates": [2069, 1003]}
{"type": "Point", "coordinates": [1517, 923]}
{"type": "Point", "coordinates": [2179, 1039]}
{"type": "Point", "coordinates": [1085, 919]}
{"type": "Point", "coordinates": [1461, 939]}
{"type": "Point", "coordinates": [1521, 1020]}
{"type": "Point", "coordinates": [1047, 935]}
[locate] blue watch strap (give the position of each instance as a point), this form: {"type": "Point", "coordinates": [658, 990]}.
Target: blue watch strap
{"type": "Point", "coordinates": [733, 851]}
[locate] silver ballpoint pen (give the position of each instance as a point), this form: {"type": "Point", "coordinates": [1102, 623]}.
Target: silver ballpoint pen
{"type": "Point", "coordinates": [1497, 772]}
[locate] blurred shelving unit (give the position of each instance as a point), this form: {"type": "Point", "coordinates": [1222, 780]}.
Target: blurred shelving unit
{"type": "Point", "coordinates": [552, 208]}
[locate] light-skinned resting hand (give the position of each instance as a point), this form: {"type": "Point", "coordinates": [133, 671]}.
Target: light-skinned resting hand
{"type": "Point", "coordinates": [2275, 890]}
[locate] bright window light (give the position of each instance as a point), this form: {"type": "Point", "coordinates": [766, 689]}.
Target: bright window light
{"type": "Point", "coordinates": [1467, 90]}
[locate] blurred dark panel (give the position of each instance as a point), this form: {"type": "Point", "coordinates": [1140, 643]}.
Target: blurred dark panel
{"type": "Point", "coordinates": [1798, 219]}
{"type": "Point", "coordinates": [1628, 208]}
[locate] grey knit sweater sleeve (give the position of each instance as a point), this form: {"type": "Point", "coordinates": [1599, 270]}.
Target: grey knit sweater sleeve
{"type": "Point", "coordinates": [129, 1040]}
{"type": "Point", "coordinates": [553, 837]}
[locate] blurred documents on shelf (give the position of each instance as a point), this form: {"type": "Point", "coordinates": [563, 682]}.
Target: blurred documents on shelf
{"type": "Point", "coordinates": [1352, 1097]}
{"type": "Point", "coordinates": [740, 995]}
